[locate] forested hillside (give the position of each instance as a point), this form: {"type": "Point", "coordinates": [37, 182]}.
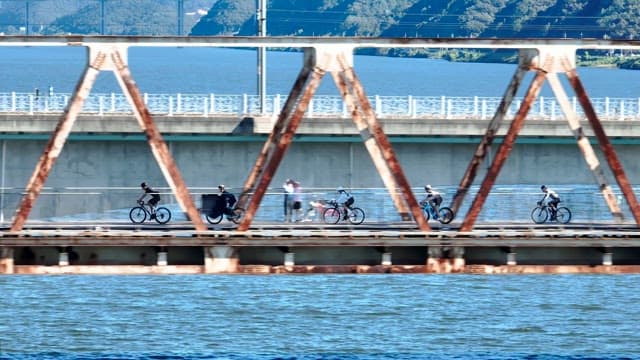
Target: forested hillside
{"type": "Point", "coordinates": [430, 18]}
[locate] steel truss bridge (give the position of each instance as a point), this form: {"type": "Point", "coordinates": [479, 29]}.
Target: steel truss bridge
{"type": "Point", "coordinates": [547, 59]}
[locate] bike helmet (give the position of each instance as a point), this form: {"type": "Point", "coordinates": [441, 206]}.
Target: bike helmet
{"type": "Point", "coordinates": [543, 187]}
{"type": "Point", "coordinates": [427, 188]}
{"type": "Point", "coordinates": [221, 186]}
{"type": "Point", "coordinates": [339, 189]}
{"type": "Point", "coordinates": [143, 185]}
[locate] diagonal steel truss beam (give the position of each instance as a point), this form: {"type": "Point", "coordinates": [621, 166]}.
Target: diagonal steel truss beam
{"type": "Point", "coordinates": [279, 141]}
{"type": "Point", "coordinates": [103, 57]}
{"type": "Point", "coordinates": [492, 129]}
{"type": "Point", "coordinates": [605, 145]}
{"type": "Point", "coordinates": [503, 151]}
{"type": "Point", "coordinates": [337, 62]}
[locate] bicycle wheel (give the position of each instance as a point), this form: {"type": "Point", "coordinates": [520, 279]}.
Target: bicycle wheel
{"type": "Point", "coordinates": [539, 214]}
{"type": "Point", "coordinates": [356, 216]}
{"type": "Point", "coordinates": [331, 215]}
{"type": "Point", "coordinates": [446, 215]}
{"type": "Point", "coordinates": [163, 215]}
{"type": "Point", "coordinates": [138, 215]}
{"type": "Point", "coordinates": [425, 212]}
{"type": "Point", "coordinates": [563, 215]}
{"type": "Point", "coordinates": [213, 220]}
{"type": "Point", "coordinates": [238, 213]}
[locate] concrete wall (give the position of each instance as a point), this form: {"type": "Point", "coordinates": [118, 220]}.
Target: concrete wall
{"type": "Point", "coordinates": [102, 175]}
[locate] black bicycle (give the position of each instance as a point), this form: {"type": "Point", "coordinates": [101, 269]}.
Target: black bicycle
{"type": "Point", "coordinates": [235, 216]}
{"type": "Point", "coordinates": [334, 213]}
{"type": "Point", "coordinates": [543, 213]}
{"type": "Point", "coordinates": [139, 214]}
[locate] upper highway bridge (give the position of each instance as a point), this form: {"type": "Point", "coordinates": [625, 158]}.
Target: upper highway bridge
{"type": "Point", "coordinates": [546, 59]}
{"type": "Point", "coordinates": [385, 107]}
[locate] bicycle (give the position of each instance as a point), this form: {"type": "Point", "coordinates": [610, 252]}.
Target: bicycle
{"type": "Point", "coordinates": [138, 214]}
{"type": "Point", "coordinates": [542, 213]}
{"type": "Point", "coordinates": [333, 213]}
{"type": "Point", "coordinates": [445, 214]}
{"type": "Point", "coordinates": [235, 216]}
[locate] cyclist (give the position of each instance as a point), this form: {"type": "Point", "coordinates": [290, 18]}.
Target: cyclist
{"type": "Point", "coordinates": [345, 200]}
{"type": "Point", "coordinates": [551, 199]}
{"type": "Point", "coordinates": [155, 198]}
{"type": "Point", "coordinates": [433, 198]}
{"type": "Point", "coordinates": [228, 198]}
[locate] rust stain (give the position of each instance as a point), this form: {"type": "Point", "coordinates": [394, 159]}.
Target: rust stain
{"type": "Point", "coordinates": [503, 151]}
{"type": "Point", "coordinates": [605, 145]}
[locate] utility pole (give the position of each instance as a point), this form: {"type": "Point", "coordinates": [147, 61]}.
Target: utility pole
{"type": "Point", "coordinates": [261, 17]}
{"type": "Point", "coordinates": [180, 17]}
{"type": "Point", "coordinates": [102, 17]}
{"type": "Point", "coordinates": [26, 18]}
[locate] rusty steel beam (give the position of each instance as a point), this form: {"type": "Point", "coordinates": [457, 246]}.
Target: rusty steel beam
{"type": "Point", "coordinates": [158, 146]}
{"type": "Point", "coordinates": [282, 146]}
{"type": "Point", "coordinates": [389, 162]}
{"type": "Point", "coordinates": [503, 151]}
{"type": "Point", "coordinates": [584, 145]}
{"type": "Point", "coordinates": [487, 140]}
{"type": "Point", "coordinates": [58, 138]}
{"type": "Point", "coordinates": [274, 136]}
{"type": "Point", "coordinates": [605, 144]}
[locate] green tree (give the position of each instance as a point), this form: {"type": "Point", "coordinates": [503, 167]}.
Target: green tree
{"type": "Point", "coordinates": [622, 19]}
{"type": "Point", "coordinates": [479, 16]}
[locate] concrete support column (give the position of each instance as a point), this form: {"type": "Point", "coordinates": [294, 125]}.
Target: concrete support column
{"type": "Point", "coordinates": [220, 259]}
{"type": "Point", "coordinates": [511, 257]}
{"type": "Point", "coordinates": [457, 259]}
{"type": "Point", "coordinates": [386, 259]}
{"type": "Point", "coordinates": [289, 259]}
{"type": "Point", "coordinates": [607, 258]}
{"type": "Point", "coordinates": [63, 258]}
{"type": "Point", "coordinates": [6, 260]}
{"type": "Point", "coordinates": [162, 258]}
{"type": "Point", "coordinates": [444, 259]}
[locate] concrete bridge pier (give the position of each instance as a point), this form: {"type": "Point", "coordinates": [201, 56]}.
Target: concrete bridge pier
{"type": "Point", "coordinates": [445, 259]}
{"type": "Point", "coordinates": [220, 259]}
{"type": "Point", "coordinates": [6, 260]}
{"type": "Point", "coordinates": [607, 257]}
{"type": "Point", "coordinates": [512, 257]}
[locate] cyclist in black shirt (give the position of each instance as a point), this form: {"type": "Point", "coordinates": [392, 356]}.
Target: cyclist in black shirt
{"type": "Point", "coordinates": [155, 198]}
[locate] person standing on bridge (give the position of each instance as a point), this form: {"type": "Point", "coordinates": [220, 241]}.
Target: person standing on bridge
{"type": "Point", "coordinates": [551, 199]}
{"type": "Point", "coordinates": [155, 198]}
{"type": "Point", "coordinates": [288, 199]}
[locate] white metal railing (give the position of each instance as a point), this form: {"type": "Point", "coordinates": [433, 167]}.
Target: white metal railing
{"type": "Point", "coordinates": [442, 107]}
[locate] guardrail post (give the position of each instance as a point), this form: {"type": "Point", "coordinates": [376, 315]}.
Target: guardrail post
{"type": "Point", "coordinates": [606, 107]}
{"type": "Point", "coordinates": [113, 102]}
{"type": "Point", "coordinates": [101, 105]}
{"type": "Point", "coordinates": [345, 110]}
{"type": "Point", "coordinates": [541, 103]}
{"type": "Point", "coordinates": [378, 105]}
{"type": "Point", "coordinates": [145, 98]}
{"type": "Point", "coordinates": [13, 101]}
{"type": "Point", "coordinates": [553, 109]}
{"type": "Point", "coordinates": [621, 110]}
{"type": "Point", "coordinates": [310, 108]}
{"type": "Point", "coordinates": [170, 105]}
{"type": "Point", "coordinates": [30, 104]}
{"type": "Point", "coordinates": [245, 103]}
{"type": "Point", "coordinates": [484, 109]}
{"type": "Point", "coordinates": [409, 105]}
{"type": "Point", "coordinates": [276, 104]}
{"type": "Point", "coordinates": [212, 104]}
{"type": "Point", "coordinates": [443, 105]}
{"type": "Point", "coordinates": [205, 109]}
{"type": "Point", "coordinates": [449, 108]}
{"type": "Point", "coordinates": [179, 103]}
{"type": "Point", "coordinates": [475, 106]}
{"type": "Point", "coordinates": [414, 108]}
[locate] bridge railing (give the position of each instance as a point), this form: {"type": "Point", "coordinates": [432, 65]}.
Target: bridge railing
{"type": "Point", "coordinates": [440, 107]}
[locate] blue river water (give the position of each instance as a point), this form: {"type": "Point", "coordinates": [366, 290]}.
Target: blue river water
{"type": "Point", "coordinates": [320, 317]}
{"type": "Point", "coordinates": [314, 316]}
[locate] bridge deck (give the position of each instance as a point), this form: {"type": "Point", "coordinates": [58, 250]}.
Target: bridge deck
{"type": "Point", "coordinates": [371, 235]}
